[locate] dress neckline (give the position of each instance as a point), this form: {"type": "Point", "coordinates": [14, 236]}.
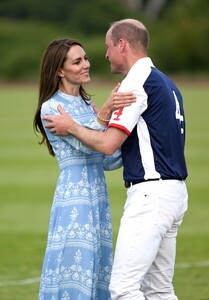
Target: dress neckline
{"type": "Point", "coordinates": [67, 96]}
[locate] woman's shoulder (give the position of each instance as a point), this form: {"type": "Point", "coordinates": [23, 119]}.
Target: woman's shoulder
{"type": "Point", "coordinates": [50, 105]}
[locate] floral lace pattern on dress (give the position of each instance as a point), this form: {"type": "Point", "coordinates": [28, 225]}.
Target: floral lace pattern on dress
{"type": "Point", "coordinates": [78, 258]}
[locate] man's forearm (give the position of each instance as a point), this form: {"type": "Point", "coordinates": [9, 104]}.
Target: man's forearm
{"type": "Point", "coordinates": [95, 140]}
{"type": "Point", "coordinates": [105, 142]}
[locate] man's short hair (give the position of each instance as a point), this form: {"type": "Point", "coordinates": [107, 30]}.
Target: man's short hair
{"type": "Point", "coordinates": [134, 34]}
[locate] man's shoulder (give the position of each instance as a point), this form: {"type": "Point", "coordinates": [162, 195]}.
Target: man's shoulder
{"type": "Point", "coordinates": [140, 71]}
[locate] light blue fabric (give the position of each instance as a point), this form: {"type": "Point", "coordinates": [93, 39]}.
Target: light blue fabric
{"type": "Point", "coordinates": [78, 259]}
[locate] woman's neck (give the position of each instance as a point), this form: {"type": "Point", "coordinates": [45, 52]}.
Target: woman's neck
{"type": "Point", "coordinates": [69, 89]}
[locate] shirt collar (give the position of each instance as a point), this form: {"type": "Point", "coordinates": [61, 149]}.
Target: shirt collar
{"type": "Point", "coordinates": [141, 63]}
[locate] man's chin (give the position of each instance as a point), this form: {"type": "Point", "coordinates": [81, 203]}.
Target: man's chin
{"type": "Point", "coordinates": [114, 71]}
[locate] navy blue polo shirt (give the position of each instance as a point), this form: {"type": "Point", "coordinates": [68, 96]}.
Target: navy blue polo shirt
{"type": "Point", "coordinates": [155, 125]}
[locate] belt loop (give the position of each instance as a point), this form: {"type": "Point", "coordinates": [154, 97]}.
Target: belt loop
{"type": "Point", "coordinates": [127, 184]}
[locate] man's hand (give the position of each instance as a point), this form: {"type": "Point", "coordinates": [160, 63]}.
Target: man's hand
{"type": "Point", "coordinates": [59, 125]}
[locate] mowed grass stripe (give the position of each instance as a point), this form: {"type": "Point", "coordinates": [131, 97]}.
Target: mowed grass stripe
{"type": "Point", "coordinates": [27, 181]}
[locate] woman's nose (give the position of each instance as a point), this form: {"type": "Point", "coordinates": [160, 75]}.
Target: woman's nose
{"type": "Point", "coordinates": [86, 64]}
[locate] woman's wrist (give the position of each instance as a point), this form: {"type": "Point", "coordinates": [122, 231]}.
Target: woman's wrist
{"type": "Point", "coordinates": [105, 113]}
{"type": "Point", "coordinates": [102, 119]}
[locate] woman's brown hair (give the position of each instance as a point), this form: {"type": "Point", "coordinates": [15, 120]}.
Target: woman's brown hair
{"type": "Point", "coordinates": [53, 59]}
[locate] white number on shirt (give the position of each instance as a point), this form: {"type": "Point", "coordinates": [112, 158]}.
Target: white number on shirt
{"type": "Point", "coordinates": [178, 112]}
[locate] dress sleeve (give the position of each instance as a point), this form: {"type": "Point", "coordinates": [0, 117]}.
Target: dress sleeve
{"type": "Point", "coordinates": [50, 108]}
{"type": "Point", "coordinates": [113, 162]}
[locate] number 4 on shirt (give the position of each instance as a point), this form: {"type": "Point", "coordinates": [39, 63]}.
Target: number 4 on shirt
{"type": "Point", "coordinates": [178, 112]}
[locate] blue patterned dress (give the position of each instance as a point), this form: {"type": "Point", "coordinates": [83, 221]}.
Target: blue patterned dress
{"type": "Point", "coordinates": [78, 259]}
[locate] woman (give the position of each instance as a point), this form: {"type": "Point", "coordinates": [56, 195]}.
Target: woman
{"type": "Point", "coordinates": [78, 258]}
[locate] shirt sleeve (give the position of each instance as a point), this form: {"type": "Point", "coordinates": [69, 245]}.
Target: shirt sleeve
{"type": "Point", "coordinates": [126, 118]}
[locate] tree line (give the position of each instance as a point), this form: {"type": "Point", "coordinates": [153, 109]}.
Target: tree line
{"type": "Point", "coordinates": [178, 30]}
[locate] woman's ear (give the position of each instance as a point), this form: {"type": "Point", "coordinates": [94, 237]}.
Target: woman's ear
{"type": "Point", "coordinates": [60, 73]}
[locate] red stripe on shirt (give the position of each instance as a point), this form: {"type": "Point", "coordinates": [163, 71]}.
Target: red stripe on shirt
{"type": "Point", "coordinates": [119, 127]}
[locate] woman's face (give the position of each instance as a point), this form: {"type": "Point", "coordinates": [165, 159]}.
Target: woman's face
{"type": "Point", "coordinates": [76, 67]}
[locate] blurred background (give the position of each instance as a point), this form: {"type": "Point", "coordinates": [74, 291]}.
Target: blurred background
{"type": "Point", "coordinates": [179, 32]}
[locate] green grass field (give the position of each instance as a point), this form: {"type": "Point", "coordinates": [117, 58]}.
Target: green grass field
{"type": "Point", "coordinates": [27, 181]}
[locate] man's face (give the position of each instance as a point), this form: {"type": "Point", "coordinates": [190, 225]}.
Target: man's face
{"type": "Point", "coordinates": [113, 55]}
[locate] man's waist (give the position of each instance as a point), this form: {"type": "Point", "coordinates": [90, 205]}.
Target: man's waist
{"type": "Point", "coordinates": [133, 182]}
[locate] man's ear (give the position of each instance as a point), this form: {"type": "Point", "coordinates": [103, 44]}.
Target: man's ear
{"type": "Point", "coordinates": [121, 44]}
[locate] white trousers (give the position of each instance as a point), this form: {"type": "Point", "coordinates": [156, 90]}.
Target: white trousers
{"type": "Point", "coordinates": [145, 252]}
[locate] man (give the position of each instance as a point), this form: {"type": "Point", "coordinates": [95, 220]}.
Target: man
{"type": "Point", "coordinates": [151, 134]}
